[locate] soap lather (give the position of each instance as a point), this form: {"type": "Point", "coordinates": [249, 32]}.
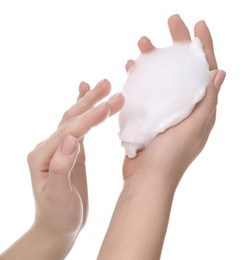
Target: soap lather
{"type": "Point", "coordinates": [161, 90]}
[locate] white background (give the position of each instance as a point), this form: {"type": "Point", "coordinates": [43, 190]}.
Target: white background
{"type": "Point", "coordinates": [48, 47]}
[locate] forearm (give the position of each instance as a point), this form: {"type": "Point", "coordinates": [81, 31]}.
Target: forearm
{"type": "Point", "coordinates": [139, 223]}
{"type": "Point", "coordinates": [39, 245]}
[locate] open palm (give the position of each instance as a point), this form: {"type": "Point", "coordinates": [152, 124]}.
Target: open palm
{"type": "Point", "coordinates": [178, 146]}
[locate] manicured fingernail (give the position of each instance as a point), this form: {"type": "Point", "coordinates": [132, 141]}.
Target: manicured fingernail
{"type": "Point", "coordinates": [115, 96]}
{"type": "Point", "coordinates": [104, 106]}
{"type": "Point", "coordinates": [83, 86]}
{"type": "Point", "coordinates": [202, 21]}
{"type": "Point", "coordinates": [144, 38]}
{"type": "Point", "coordinates": [69, 145]}
{"type": "Point", "coordinates": [101, 105]}
{"type": "Point", "coordinates": [176, 15]}
{"type": "Point", "coordinates": [219, 79]}
{"type": "Point", "coordinates": [100, 83]}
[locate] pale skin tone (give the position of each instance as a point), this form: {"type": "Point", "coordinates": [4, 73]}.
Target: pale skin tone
{"type": "Point", "coordinates": [139, 223]}
{"type": "Point", "coordinates": [57, 168]}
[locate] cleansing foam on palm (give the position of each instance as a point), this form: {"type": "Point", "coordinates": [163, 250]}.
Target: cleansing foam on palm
{"type": "Point", "coordinates": [161, 90]}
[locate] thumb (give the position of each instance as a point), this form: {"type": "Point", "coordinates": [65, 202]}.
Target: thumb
{"type": "Point", "coordinates": [216, 79]}
{"type": "Point", "coordinates": [207, 106]}
{"type": "Point", "coordinates": [61, 164]}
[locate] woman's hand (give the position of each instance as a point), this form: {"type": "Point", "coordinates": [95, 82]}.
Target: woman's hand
{"type": "Point", "coordinates": [57, 168]}
{"type": "Point", "coordinates": [140, 220]}
{"type": "Point", "coordinates": [174, 150]}
{"type": "Point", "coordinates": [57, 164]}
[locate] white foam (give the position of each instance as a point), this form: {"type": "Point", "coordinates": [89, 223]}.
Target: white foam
{"type": "Point", "coordinates": [161, 90]}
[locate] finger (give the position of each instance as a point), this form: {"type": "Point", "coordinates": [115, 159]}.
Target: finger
{"type": "Point", "coordinates": [129, 65]}
{"type": "Point", "coordinates": [209, 126]}
{"type": "Point", "coordinates": [77, 127]}
{"type": "Point", "coordinates": [101, 90]}
{"type": "Point", "coordinates": [145, 45]}
{"type": "Point", "coordinates": [178, 29]}
{"type": "Point", "coordinates": [83, 89]}
{"type": "Point", "coordinates": [81, 124]}
{"type": "Point", "coordinates": [116, 102]}
{"type": "Point", "coordinates": [202, 32]}
{"type": "Point", "coordinates": [60, 166]}
{"type": "Point", "coordinates": [206, 108]}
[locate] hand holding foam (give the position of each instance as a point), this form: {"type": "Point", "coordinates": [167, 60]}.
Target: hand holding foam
{"type": "Point", "coordinates": [161, 90]}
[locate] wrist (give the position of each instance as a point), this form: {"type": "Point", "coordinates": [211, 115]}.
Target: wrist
{"type": "Point", "coordinates": [164, 175]}
{"type": "Point", "coordinates": [143, 209]}
{"type": "Point", "coordinates": [39, 244]}
{"type": "Point", "coordinates": [51, 244]}
{"type": "Point", "coordinates": [138, 183]}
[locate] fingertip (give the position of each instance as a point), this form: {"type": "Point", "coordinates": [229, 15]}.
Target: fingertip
{"type": "Point", "coordinates": [83, 88]}
{"type": "Point", "coordinates": [129, 65]}
{"type": "Point", "coordinates": [205, 111]}
{"type": "Point", "coordinates": [145, 45]}
{"type": "Point", "coordinates": [173, 18]}
{"type": "Point", "coordinates": [202, 31]}
{"type": "Point", "coordinates": [116, 97]}
{"type": "Point", "coordinates": [103, 83]}
{"type": "Point", "coordinates": [115, 103]}
{"type": "Point", "coordinates": [107, 85]}
{"type": "Point", "coordinates": [199, 24]}
{"type": "Point", "coordinates": [142, 41]}
{"type": "Point", "coordinates": [103, 87]}
{"type": "Point", "coordinates": [103, 110]}
{"type": "Point", "coordinates": [219, 79]}
{"type": "Point", "coordinates": [211, 97]}
{"type": "Point", "coordinates": [178, 29]}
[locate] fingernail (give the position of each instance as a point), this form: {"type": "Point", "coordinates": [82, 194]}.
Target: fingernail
{"type": "Point", "coordinates": [101, 105]}
{"type": "Point", "coordinates": [83, 86]}
{"type": "Point", "coordinates": [100, 83]}
{"type": "Point", "coordinates": [219, 79]}
{"type": "Point", "coordinates": [115, 96]}
{"type": "Point", "coordinates": [176, 15]}
{"type": "Point", "coordinates": [144, 38]}
{"type": "Point", "coordinates": [202, 21]}
{"type": "Point", "coordinates": [69, 145]}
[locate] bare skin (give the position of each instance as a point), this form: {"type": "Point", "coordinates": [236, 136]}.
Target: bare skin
{"type": "Point", "coordinates": [139, 223]}
{"type": "Point", "coordinates": [58, 174]}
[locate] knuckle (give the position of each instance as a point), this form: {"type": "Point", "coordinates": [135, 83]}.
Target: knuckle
{"type": "Point", "coordinates": [67, 114]}
{"type": "Point", "coordinates": [56, 167]}
{"type": "Point", "coordinates": [88, 101]}
{"type": "Point", "coordinates": [31, 156]}
{"type": "Point", "coordinates": [89, 98]}
{"type": "Point", "coordinates": [212, 103]}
